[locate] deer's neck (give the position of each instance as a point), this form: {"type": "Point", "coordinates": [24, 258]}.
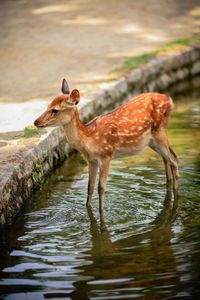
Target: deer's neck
{"type": "Point", "coordinates": [75, 132]}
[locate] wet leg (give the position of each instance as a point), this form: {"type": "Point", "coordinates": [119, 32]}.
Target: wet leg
{"type": "Point", "coordinates": [93, 167]}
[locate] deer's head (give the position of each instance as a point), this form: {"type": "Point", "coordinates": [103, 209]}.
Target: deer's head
{"type": "Point", "coordinates": [61, 110]}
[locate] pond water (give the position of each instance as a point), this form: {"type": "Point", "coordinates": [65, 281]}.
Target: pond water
{"type": "Point", "coordinates": [146, 246]}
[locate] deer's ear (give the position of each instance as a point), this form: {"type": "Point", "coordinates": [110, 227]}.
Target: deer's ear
{"type": "Point", "coordinates": [65, 87]}
{"type": "Point", "coordinates": [74, 97]}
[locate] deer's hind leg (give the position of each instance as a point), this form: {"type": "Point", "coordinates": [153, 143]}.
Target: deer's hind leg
{"type": "Point", "coordinates": [167, 169]}
{"type": "Point", "coordinates": [159, 143]}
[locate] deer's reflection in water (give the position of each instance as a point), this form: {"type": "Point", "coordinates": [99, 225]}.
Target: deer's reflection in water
{"type": "Point", "coordinates": [161, 233]}
{"type": "Point", "coordinates": [141, 261]}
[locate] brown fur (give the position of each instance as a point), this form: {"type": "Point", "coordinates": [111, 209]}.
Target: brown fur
{"type": "Point", "coordinates": [123, 132]}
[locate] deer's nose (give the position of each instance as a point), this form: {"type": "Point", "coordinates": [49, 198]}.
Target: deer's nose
{"type": "Point", "coordinates": [36, 123]}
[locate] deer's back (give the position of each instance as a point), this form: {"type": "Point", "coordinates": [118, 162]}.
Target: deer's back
{"type": "Point", "coordinates": [127, 128]}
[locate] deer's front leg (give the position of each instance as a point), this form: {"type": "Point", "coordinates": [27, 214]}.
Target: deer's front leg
{"type": "Point", "coordinates": [104, 168]}
{"type": "Point", "coordinates": [93, 167]}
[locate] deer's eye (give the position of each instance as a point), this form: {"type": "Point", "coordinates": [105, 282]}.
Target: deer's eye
{"type": "Point", "coordinates": [55, 111]}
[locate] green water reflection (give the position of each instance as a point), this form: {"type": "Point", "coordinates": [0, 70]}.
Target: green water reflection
{"type": "Point", "coordinates": [146, 246]}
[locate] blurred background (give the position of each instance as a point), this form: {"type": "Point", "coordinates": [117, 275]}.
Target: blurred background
{"type": "Point", "coordinates": [43, 41]}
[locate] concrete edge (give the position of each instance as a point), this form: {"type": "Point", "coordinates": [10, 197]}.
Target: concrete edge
{"type": "Point", "coordinates": [25, 170]}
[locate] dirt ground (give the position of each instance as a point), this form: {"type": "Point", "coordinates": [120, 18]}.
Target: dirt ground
{"type": "Point", "coordinates": [43, 41]}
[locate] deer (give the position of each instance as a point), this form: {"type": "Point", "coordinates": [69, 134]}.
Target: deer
{"type": "Point", "coordinates": [124, 131]}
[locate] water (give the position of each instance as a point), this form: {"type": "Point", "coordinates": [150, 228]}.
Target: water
{"type": "Point", "coordinates": [146, 246]}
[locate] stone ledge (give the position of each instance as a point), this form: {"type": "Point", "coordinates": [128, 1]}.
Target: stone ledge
{"type": "Point", "coordinates": [24, 171]}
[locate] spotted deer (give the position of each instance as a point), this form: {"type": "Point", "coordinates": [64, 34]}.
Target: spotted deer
{"type": "Point", "coordinates": [125, 131]}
